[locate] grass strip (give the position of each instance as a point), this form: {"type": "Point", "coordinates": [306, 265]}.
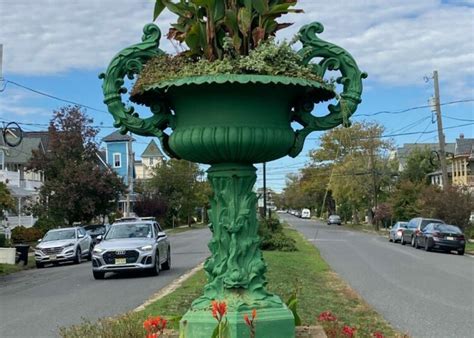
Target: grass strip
{"type": "Point", "coordinates": [6, 269]}
{"type": "Point", "coordinates": [319, 289]}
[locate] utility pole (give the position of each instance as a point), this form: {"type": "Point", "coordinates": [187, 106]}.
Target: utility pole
{"type": "Point", "coordinates": [1, 61]}
{"type": "Point", "coordinates": [374, 180]}
{"type": "Point", "coordinates": [442, 152]}
{"type": "Point", "coordinates": [265, 189]}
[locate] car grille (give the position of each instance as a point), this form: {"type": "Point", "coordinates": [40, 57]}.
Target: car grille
{"type": "Point", "coordinates": [52, 251]}
{"type": "Point", "coordinates": [130, 255]}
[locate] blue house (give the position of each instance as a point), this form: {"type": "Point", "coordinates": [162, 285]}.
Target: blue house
{"type": "Point", "coordinates": [119, 155]}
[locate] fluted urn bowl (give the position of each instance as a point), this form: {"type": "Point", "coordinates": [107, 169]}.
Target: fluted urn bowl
{"type": "Point", "coordinates": [233, 118]}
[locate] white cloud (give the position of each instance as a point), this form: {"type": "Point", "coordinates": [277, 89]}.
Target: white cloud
{"type": "Point", "coordinates": [13, 105]}
{"type": "Point", "coordinates": [396, 42]}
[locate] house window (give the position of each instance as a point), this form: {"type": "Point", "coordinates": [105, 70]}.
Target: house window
{"type": "Point", "coordinates": [117, 160]}
{"type": "Point", "coordinates": [151, 160]}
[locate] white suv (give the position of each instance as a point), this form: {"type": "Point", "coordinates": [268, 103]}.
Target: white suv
{"type": "Point", "coordinates": [61, 245]}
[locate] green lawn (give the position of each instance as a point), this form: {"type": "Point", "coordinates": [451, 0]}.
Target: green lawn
{"type": "Point", "coordinates": [6, 269]}
{"type": "Point", "coordinates": [470, 247]}
{"type": "Point", "coordinates": [180, 229]}
{"type": "Point", "coordinates": [319, 289]}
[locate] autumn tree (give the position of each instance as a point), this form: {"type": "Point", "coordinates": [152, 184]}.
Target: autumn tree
{"type": "Point", "coordinates": [6, 200]}
{"type": "Point", "coordinates": [418, 165]}
{"type": "Point", "coordinates": [181, 184]}
{"type": "Point", "coordinates": [76, 188]}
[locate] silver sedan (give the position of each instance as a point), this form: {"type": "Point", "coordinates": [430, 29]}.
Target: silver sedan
{"type": "Point", "coordinates": [128, 246]}
{"type": "Point", "coordinates": [396, 232]}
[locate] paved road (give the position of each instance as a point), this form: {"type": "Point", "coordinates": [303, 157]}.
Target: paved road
{"type": "Point", "coordinates": [34, 303]}
{"type": "Point", "coordinates": [426, 294]}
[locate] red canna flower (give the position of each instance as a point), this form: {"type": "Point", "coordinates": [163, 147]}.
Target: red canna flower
{"type": "Point", "coordinates": [348, 331]}
{"type": "Point", "coordinates": [378, 334]}
{"type": "Point", "coordinates": [327, 316]}
{"type": "Point", "coordinates": [219, 309]}
{"type": "Point", "coordinates": [154, 326]}
{"type": "Point", "coordinates": [250, 322]}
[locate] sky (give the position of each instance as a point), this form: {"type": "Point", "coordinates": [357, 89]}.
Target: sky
{"type": "Point", "coordinates": [58, 47]}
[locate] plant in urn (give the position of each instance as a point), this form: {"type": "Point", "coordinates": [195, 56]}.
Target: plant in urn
{"type": "Point", "coordinates": [228, 100]}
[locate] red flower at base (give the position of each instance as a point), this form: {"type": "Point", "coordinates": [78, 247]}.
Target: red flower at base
{"type": "Point", "coordinates": [327, 316]}
{"type": "Point", "coordinates": [219, 309]}
{"type": "Point", "coordinates": [378, 334]}
{"type": "Point", "coordinates": [154, 326]}
{"type": "Point", "coordinates": [348, 331]}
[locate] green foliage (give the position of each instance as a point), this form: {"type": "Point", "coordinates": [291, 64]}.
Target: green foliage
{"type": "Point", "coordinates": [292, 304]}
{"type": "Point", "coordinates": [6, 200]}
{"type": "Point", "coordinates": [21, 234]}
{"type": "Point", "coordinates": [76, 188]}
{"type": "Point", "coordinates": [269, 58]}
{"type": "Point", "coordinates": [180, 184]}
{"type": "Point", "coordinates": [206, 26]}
{"type": "Point", "coordinates": [3, 241]}
{"type": "Point", "coordinates": [453, 205]}
{"type": "Point", "coordinates": [273, 238]}
{"type": "Point", "coordinates": [404, 201]}
{"type": "Point", "coordinates": [418, 166]}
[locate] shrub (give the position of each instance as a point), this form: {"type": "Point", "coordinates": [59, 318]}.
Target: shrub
{"type": "Point", "coordinates": [3, 241]}
{"type": "Point", "coordinates": [273, 237]}
{"type": "Point", "coordinates": [22, 234]}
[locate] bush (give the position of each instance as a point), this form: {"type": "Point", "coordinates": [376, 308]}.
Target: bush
{"type": "Point", "coordinates": [3, 241]}
{"type": "Point", "coordinates": [21, 234]}
{"type": "Point", "coordinates": [273, 237]}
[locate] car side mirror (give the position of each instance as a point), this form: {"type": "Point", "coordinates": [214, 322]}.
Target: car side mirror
{"type": "Point", "coordinates": [99, 238]}
{"type": "Point", "coordinates": [161, 235]}
{"type": "Point", "coordinates": [80, 236]}
{"type": "Point", "coordinates": [39, 240]}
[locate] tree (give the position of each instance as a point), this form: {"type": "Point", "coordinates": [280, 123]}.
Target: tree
{"type": "Point", "coordinates": [179, 183]}
{"type": "Point", "coordinates": [76, 189]}
{"type": "Point", "coordinates": [149, 204]}
{"type": "Point", "coordinates": [404, 200]}
{"type": "Point", "coordinates": [418, 166]}
{"type": "Point", "coordinates": [453, 205]}
{"type": "Point", "coordinates": [6, 200]}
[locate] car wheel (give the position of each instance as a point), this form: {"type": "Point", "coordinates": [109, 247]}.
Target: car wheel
{"type": "Point", "coordinates": [402, 241]}
{"type": "Point", "coordinates": [417, 246]}
{"type": "Point", "coordinates": [461, 252]}
{"type": "Point", "coordinates": [78, 257]}
{"type": "Point", "coordinates": [98, 274]}
{"type": "Point", "coordinates": [167, 265]}
{"type": "Point", "coordinates": [412, 242]}
{"type": "Point", "coordinates": [39, 265]}
{"type": "Point", "coordinates": [390, 238]}
{"type": "Point", "coordinates": [155, 270]}
{"type": "Point", "coordinates": [427, 247]}
{"type": "Point", "coordinates": [89, 255]}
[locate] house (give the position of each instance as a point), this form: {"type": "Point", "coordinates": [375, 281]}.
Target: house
{"type": "Point", "coordinates": [402, 153]}
{"type": "Point", "coordinates": [150, 159]}
{"type": "Point", "coordinates": [462, 164]}
{"type": "Point", "coordinates": [120, 158]}
{"type": "Point", "coordinates": [23, 184]}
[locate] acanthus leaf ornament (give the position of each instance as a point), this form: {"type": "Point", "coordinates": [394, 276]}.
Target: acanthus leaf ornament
{"type": "Point", "coordinates": [333, 58]}
{"type": "Point", "coordinates": [129, 62]}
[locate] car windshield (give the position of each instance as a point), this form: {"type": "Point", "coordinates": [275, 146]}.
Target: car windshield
{"type": "Point", "coordinates": [425, 222]}
{"type": "Point", "coordinates": [129, 231]}
{"type": "Point", "coordinates": [58, 235]}
{"type": "Point", "coordinates": [402, 224]}
{"type": "Point", "coordinates": [447, 228]}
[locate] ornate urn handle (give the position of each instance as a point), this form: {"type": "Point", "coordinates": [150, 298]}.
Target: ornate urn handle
{"type": "Point", "coordinates": [129, 62]}
{"type": "Point", "coordinates": [333, 58]}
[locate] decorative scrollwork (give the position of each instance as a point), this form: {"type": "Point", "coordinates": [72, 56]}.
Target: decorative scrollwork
{"type": "Point", "coordinates": [333, 58]}
{"type": "Point", "coordinates": [129, 62]}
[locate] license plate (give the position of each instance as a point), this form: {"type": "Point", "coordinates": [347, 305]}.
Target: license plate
{"type": "Point", "coordinates": [52, 257]}
{"type": "Point", "coordinates": [120, 261]}
{"type": "Point", "coordinates": [449, 238]}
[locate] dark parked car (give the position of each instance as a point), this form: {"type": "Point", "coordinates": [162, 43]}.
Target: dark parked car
{"type": "Point", "coordinates": [95, 230]}
{"type": "Point", "coordinates": [334, 219]}
{"type": "Point", "coordinates": [395, 234]}
{"type": "Point", "coordinates": [443, 237]}
{"type": "Point", "coordinates": [414, 228]}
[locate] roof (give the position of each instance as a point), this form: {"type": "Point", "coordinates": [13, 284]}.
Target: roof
{"type": "Point", "coordinates": [22, 153]}
{"type": "Point", "coordinates": [404, 152]}
{"type": "Point", "coordinates": [464, 146]}
{"type": "Point", "coordinates": [152, 150]}
{"type": "Point", "coordinates": [116, 136]}
{"type": "Point", "coordinates": [43, 135]}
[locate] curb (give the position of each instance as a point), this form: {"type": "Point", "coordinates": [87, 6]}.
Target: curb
{"type": "Point", "coordinates": [170, 287]}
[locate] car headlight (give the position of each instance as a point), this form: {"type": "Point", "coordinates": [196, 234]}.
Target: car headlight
{"type": "Point", "coordinates": [146, 248]}
{"type": "Point", "coordinates": [97, 250]}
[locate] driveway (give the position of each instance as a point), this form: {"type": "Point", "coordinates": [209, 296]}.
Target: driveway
{"type": "Point", "coordinates": [34, 303]}
{"type": "Point", "coordinates": [425, 294]}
